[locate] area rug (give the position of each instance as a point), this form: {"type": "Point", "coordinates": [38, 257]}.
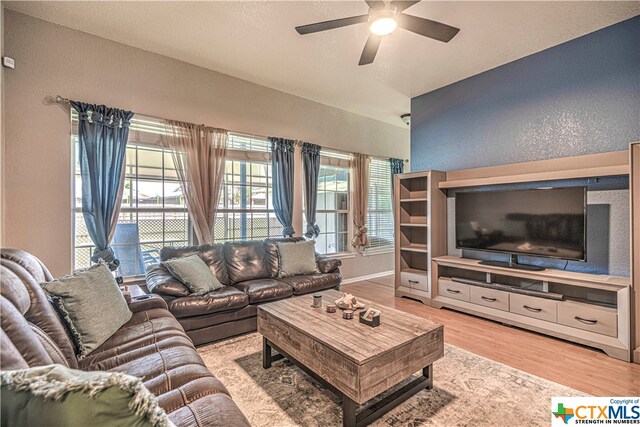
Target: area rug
{"type": "Point", "coordinates": [469, 390]}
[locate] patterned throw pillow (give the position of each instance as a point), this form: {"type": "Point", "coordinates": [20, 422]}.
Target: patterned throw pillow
{"type": "Point", "coordinates": [296, 258]}
{"type": "Point", "coordinates": [91, 305]}
{"type": "Point", "coordinates": [194, 273]}
{"type": "Point", "coordinates": [55, 395]}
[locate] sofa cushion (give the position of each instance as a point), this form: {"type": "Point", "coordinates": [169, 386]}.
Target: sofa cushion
{"type": "Point", "coordinates": [223, 299]}
{"type": "Point", "coordinates": [161, 281]}
{"type": "Point", "coordinates": [194, 273]}
{"type": "Point", "coordinates": [261, 290]}
{"type": "Point", "coordinates": [91, 304]}
{"type": "Point", "coordinates": [20, 276]}
{"type": "Point", "coordinates": [212, 255]}
{"type": "Point", "coordinates": [297, 258]}
{"type": "Point", "coordinates": [72, 397]}
{"type": "Point", "coordinates": [327, 264]}
{"type": "Point", "coordinates": [246, 261]}
{"type": "Point", "coordinates": [312, 282]}
{"type": "Point", "coordinates": [271, 247]}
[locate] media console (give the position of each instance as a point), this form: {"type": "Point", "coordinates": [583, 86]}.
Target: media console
{"type": "Point", "coordinates": [589, 309]}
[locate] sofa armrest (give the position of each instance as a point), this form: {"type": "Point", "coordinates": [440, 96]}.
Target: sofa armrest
{"type": "Point", "coordinates": [327, 264]}
{"type": "Point", "coordinates": [146, 302]}
{"type": "Point", "coordinates": [160, 281]}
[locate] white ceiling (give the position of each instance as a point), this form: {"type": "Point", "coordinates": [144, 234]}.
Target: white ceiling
{"type": "Point", "coordinates": [256, 41]}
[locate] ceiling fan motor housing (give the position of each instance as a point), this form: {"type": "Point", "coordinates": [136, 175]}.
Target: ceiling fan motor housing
{"type": "Point", "coordinates": [383, 22]}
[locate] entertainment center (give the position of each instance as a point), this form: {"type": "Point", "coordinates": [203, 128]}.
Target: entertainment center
{"type": "Point", "coordinates": [590, 309]}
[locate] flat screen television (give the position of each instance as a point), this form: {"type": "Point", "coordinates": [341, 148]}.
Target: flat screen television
{"type": "Point", "coordinates": [540, 222]}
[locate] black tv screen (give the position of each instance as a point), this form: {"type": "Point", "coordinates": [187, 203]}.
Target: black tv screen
{"type": "Point", "coordinates": [541, 222]}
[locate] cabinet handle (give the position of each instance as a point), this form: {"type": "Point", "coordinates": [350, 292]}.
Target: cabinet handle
{"type": "Point", "coordinates": [535, 310]}
{"type": "Point", "coordinates": [587, 321]}
{"type": "Point", "coordinates": [453, 291]}
{"type": "Point", "coordinates": [415, 282]}
{"type": "Point", "coordinates": [489, 299]}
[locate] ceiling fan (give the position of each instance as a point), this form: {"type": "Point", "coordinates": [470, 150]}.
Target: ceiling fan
{"type": "Point", "coordinates": [383, 18]}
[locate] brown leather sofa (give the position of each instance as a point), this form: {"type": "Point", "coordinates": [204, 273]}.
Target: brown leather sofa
{"type": "Point", "coordinates": [151, 346]}
{"type": "Point", "coordinates": [248, 270]}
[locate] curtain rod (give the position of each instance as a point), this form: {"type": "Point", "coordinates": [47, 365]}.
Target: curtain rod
{"type": "Point", "coordinates": [61, 100]}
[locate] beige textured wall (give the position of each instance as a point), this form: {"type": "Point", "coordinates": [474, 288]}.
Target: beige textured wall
{"type": "Point", "coordinates": [54, 60]}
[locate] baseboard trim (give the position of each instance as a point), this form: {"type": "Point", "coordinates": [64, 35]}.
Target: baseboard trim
{"type": "Point", "coordinates": [367, 277]}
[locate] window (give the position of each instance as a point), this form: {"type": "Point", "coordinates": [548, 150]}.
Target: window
{"type": "Point", "coordinates": [380, 208]}
{"type": "Point", "coordinates": [153, 213]}
{"type": "Point", "coordinates": [332, 212]}
{"type": "Point", "coordinates": [246, 211]}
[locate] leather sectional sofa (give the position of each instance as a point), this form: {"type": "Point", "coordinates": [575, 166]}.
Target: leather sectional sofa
{"type": "Point", "coordinates": [249, 272]}
{"type": "Point", "coordinates": [151, 346]}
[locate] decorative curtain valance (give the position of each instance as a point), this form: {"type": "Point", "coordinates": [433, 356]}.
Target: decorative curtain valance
{"type": "Point", "coordinates": [199, 153]}
{"type": "Point", "coordinates": [282, 159]}
{"type": "Point", "coordinates": [311, 164]}
{"type": "Point", "coordinates": [102, 134]}
{"type": "Point", "coordinates": [360, 167]}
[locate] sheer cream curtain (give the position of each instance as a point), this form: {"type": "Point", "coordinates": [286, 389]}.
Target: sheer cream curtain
{"type": "Point", "coordinates": [360, 167]}
{"type": "Point", "coordinates": [199, 153]}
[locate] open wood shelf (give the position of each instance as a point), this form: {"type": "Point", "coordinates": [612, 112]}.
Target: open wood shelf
{"type": "Point", "coordinates": [414, 247]}
{"type": "Point", "coordinates": [615, 163]}
{"type": "Point", "coordinates": [419, 231]}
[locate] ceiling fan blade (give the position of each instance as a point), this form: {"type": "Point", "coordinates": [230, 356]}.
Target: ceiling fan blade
{"type": "Point", "coordinates": [330, 25]}
{"type": "Point", "coordinates": [426, 27]}
{"type": "Point", "coordinates": [402, 5]}
{"type": "Point", "coordinates": [373, 4]}
{"type": "Point", "coordinates": [370, 49]}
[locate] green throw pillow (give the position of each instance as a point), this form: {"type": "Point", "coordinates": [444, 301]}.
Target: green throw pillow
{"type": "Point", "coordinates": [194, 273]}
{"type": "Point", "coordinates": [55, 395]}
{"type": "Point", "coordinates": [91, 305]}
{"type": "Point", "coordinates": [296, 258]}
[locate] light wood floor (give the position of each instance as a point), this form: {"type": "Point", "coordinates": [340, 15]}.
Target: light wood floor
{"type": "Point", "coordinates": [576, 366]}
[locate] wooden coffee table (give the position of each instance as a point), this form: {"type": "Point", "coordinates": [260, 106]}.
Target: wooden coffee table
{"type": "Point", "coordinates": [355, 361]}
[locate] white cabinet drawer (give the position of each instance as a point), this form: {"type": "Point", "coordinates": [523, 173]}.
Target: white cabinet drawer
{"type": "Point", "coordinates": [489, 297]}
{"type": "Point", "coordinates": [451, 289]}
{"type": "Point", "coordinates": [539, 308]}
{"type": "Point", "coordinates": [600, 320]}
{"type": "Point", "coordinates": [414, 281]}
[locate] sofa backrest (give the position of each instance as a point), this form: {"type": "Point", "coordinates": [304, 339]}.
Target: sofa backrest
{"type": "Point", "coordinates": [212, 255]}
{"type": "Point", "coordinates": [231, 262]}
{"type": "Point", "coordinates": [246, 260]}
{"type": "Point", "coordinates": [32, 333]}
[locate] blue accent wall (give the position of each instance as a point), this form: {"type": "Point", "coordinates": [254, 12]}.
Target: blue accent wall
{"type": "Point", "coordinates": [580, 97]}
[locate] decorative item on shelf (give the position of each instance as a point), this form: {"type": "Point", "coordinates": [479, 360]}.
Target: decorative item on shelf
{"type": "Point", "coordinates": [317, 301]}
{"type": "Point", "coordinates": [370, 317]}
{"type": "Point", "coordinates": [331, 308]}
{"type": "Point", "coordinates": [347, 314]}
{"type": "Point", "coordinates": [348, 302]}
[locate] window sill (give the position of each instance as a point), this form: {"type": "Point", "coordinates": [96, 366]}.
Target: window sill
{"type": "Point", "coordinates": [341, 255]}
{"type": "Point", "coordinates": [133, 280]}
{"type": "Point", "coordinates": [378, 252]}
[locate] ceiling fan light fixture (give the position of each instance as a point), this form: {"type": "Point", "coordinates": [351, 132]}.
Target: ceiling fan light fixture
{"type": "Point", "coordinates": [383, 23]}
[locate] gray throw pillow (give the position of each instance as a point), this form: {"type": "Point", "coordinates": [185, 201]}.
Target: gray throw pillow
{"type": "Point", "coordinates": [194, 273]}
{"type": "Point", "coordinates": [91, 304]}
{"type": "Point", "coordinates": [296, 258]}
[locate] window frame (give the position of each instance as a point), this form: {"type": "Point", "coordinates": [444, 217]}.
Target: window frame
{"type": "Point", "coordinates": [391, 246]}
{"type": "Point", "coordinates": [145, 134]}
{"type": "Point", "coordinates": [249, 149]}
{"type": "Point", "coordinates": [330, 160]}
